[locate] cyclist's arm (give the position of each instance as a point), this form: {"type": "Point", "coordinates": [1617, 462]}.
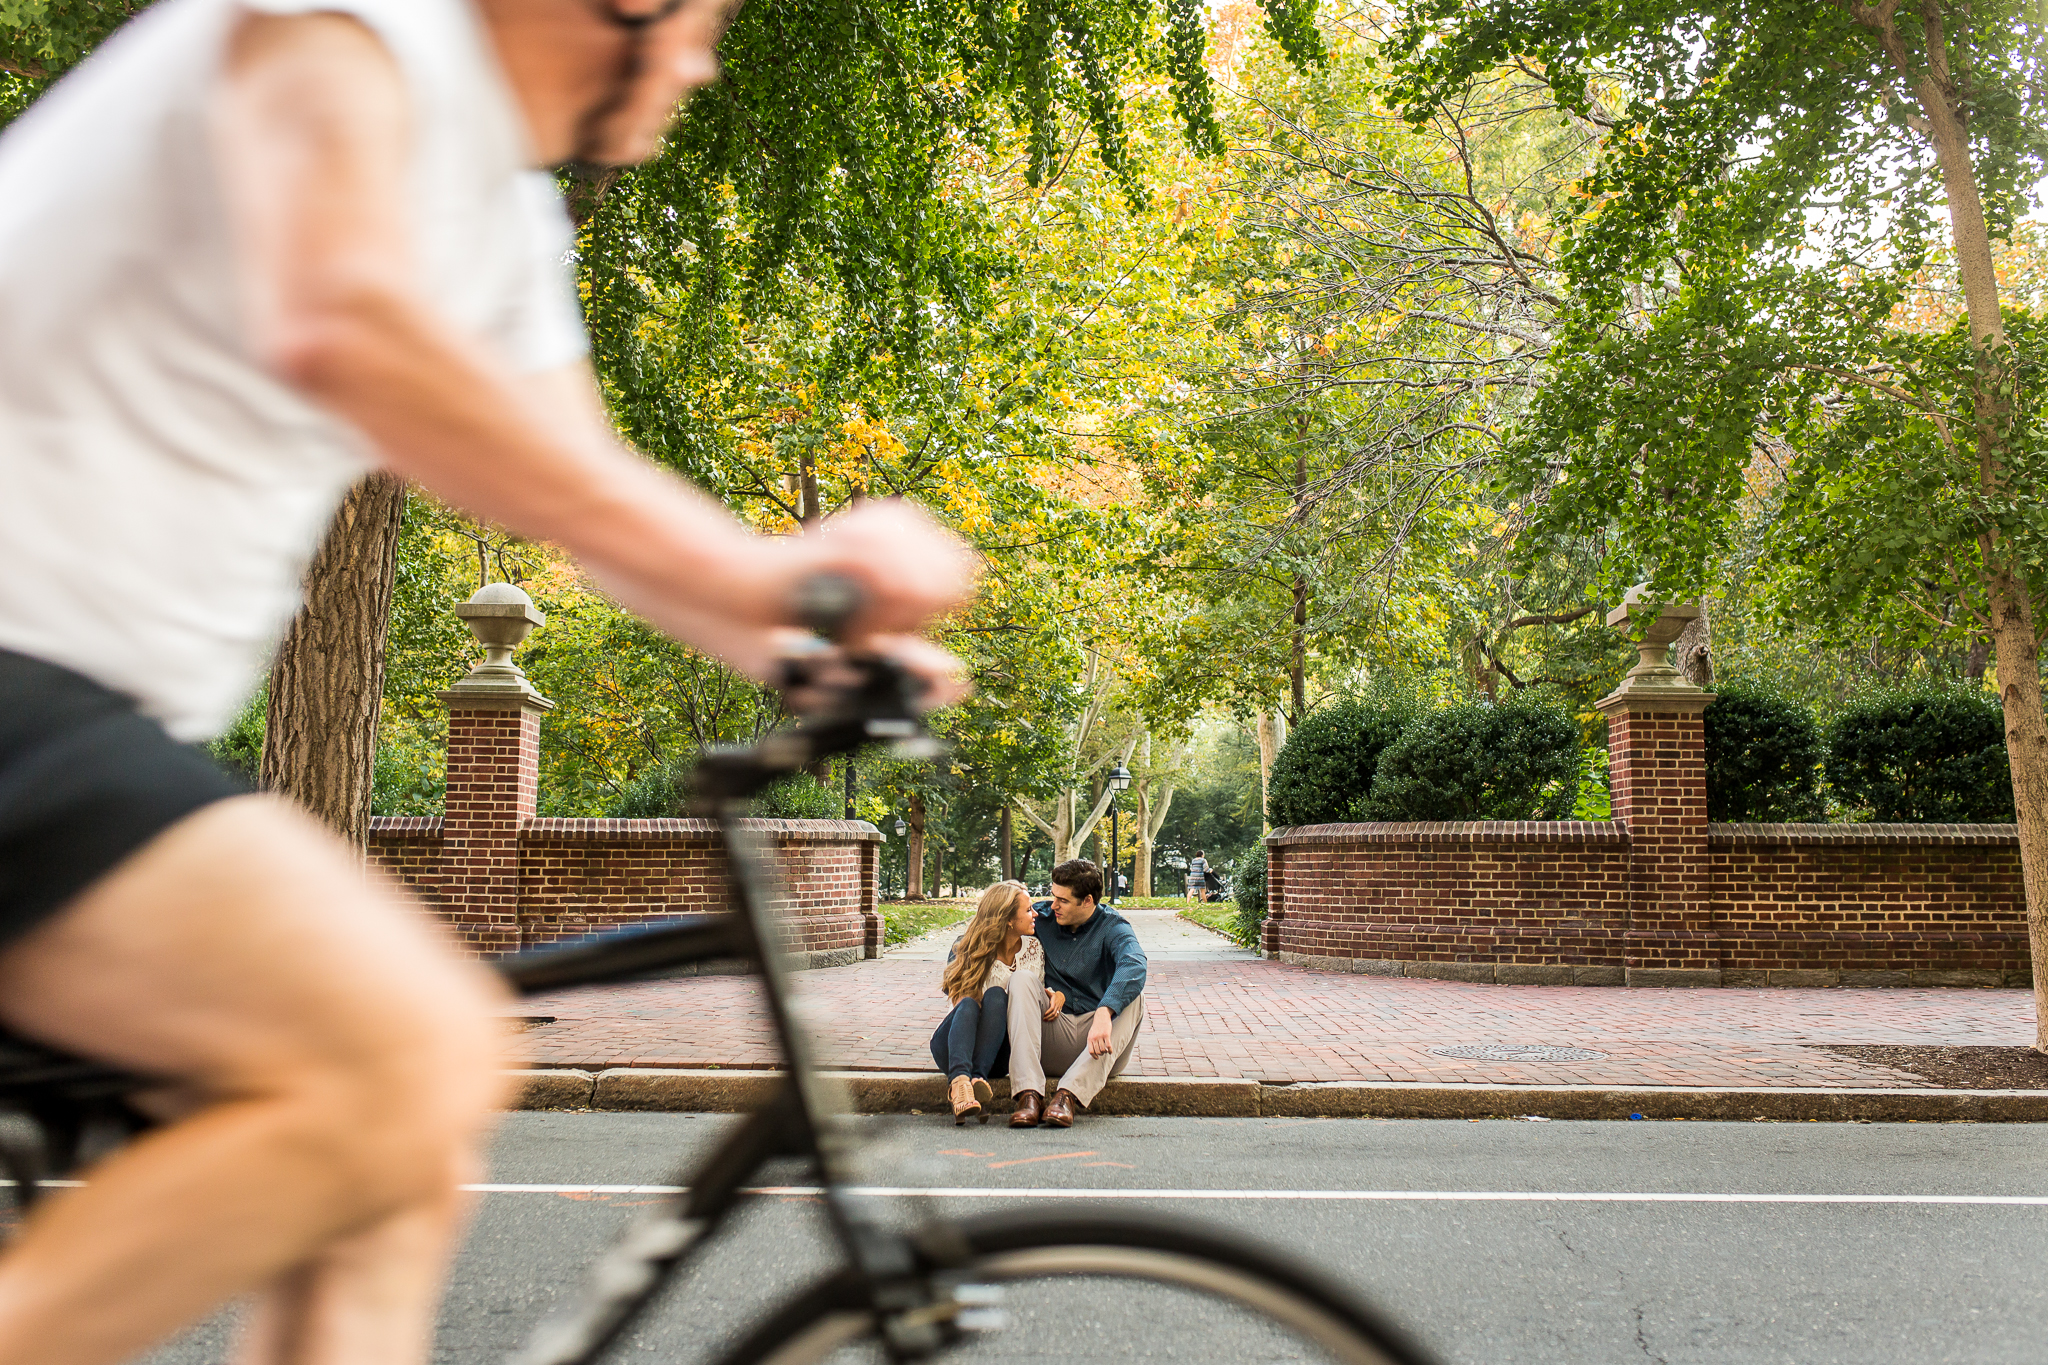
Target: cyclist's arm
{"type": "Point", "coordinates": [313, 140]}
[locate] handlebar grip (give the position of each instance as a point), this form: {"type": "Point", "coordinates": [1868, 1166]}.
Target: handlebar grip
{"type": "Point", "coordinates": [826, 602]}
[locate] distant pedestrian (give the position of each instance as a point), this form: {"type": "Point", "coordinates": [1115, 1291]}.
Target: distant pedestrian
{"type": "Point", "coordinates": [1198, 876]}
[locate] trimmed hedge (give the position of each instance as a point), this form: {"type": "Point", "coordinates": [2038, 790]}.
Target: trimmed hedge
{"type": "Point", "coordinates": [1249, 891]}
{"type": "Point", "coordinates": [1763, 758]}
{"type": "Point", "coordinates": [1937, 758]}
{"type": "Point", "coordinates": [1514, 762]}
{"type": "Point", "coordinates": [663, 790]}
{"type": "Point", "coordinates": [1325, 771]}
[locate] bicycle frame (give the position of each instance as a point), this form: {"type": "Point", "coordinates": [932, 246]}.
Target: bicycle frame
{"type": "Point", "coordinates": [805, 1117]}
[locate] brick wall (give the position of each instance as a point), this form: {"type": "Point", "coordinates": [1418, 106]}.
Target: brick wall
{"type": "Point", "coordinates": [1563, 902]}
{"type": "Point", "coordinates": [504, 880]}
{"type": "Point", "coordinates": [575, 877]}
{"type": "Point", "coordinates": [1869, 905]}
{"type": "Point", "coordinates": [1533, 902]}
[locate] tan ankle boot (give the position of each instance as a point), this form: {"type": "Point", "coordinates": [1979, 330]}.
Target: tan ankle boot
{"type": "Point", "coordinates": [961, 1095]}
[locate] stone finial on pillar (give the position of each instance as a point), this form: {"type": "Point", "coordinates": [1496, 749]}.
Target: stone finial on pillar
{"type": "Point", "coordinates": [1657, 773]}
{"type": "Point", "coordinates": [493, 772]}
{"type": "Point", "coordinates": [501, 616]}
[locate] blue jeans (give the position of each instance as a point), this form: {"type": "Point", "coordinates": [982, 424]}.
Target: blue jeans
{"type": "Point", "coordinates": [974, 1040]}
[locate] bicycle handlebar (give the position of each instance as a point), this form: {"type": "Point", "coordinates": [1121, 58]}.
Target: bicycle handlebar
{"type": "Point", "coordinates": [871, 699]}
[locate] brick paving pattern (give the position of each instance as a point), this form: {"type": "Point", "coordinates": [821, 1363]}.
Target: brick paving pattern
{"type": "Point", "coordinates": [1219, 1013]}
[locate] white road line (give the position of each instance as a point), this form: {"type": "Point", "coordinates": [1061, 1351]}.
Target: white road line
{"type": "Point", "coordinates": [1322, 1196]}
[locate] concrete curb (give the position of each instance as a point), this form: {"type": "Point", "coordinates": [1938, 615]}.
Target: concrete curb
{"type": "Point", "coordinates": [662, 1090]}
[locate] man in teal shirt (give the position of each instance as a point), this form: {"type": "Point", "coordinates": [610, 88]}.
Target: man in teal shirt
{"type": "Point", "coordinates": [1082, 1021]}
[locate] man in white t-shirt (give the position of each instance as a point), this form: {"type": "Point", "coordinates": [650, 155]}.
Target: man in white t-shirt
{"type": "Point", "coordinates": [249, 251]}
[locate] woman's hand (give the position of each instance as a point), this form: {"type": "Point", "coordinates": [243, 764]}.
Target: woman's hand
{"type": "Point", "coordinates": [1055, 1002]}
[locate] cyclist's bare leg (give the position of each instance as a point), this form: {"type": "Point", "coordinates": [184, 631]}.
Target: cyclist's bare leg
{"type": "Point", "coordinates": [370, 1297]}
{"type": "Point", "coordinates": [344, 1061]}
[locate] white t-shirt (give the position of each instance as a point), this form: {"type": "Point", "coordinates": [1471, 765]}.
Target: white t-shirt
{"type": "Point", "coordinates": [160, 492]}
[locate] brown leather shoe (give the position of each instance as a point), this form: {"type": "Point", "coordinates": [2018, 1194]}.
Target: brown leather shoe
{"type": "Point", "coordinates": [1060, 1113]}
{"type": "Point", "coordinates": [1030, 1108]}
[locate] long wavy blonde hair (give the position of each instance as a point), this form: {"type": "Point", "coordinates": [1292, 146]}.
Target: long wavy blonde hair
{"type": "Point", "coordinates": [986, 933]}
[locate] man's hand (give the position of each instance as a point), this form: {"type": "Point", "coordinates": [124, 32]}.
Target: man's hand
{"type": "Point", "coordinates": [1098, 1034]}
{"type": "Point", "coordinates": [1055, 1002]}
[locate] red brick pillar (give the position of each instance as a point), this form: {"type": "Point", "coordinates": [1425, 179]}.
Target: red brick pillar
{"type": "Point", "coordinates": [1657, 772]}
{"type": "Point", "coordinates": [872, 929]}
{"type": "Point", "coordinates": [1276, 897]}
{"type": "Point", "coordinates": [493, 775]}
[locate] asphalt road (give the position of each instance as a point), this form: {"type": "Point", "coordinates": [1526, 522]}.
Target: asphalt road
{"type": "Point", "coordinates": [1863, 1279]}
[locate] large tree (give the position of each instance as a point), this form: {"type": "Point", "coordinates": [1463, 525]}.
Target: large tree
{"type": "Point", "coordinates": [1774, 178]}
{"type": "Point", "coordinates": [823, 157]}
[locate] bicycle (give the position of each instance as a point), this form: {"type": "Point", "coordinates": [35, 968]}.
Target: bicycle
{"type": "Point", "coordinates": [940, 1287]}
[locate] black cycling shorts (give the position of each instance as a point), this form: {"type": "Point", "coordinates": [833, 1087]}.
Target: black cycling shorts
{"type": "Point", "coordinates": [84, 781]}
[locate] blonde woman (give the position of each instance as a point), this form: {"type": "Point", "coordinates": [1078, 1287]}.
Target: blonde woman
{"type": "Point", "coordinates": [972, 1043]}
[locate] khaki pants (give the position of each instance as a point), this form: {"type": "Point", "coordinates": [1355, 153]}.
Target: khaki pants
{"type": "Point", "coordinates": [1061, 1044]}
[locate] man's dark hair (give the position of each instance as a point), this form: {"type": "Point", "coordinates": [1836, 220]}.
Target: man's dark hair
{"type": "Point", "coordinates": [1081, 877]}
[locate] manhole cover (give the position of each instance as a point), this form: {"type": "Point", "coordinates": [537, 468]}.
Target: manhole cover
{"type": "Point", "coordinates": [1517, 1052]}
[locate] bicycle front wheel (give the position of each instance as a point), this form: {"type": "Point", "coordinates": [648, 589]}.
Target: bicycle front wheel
{"type": "Point", "coordinates": [1078, 1287]}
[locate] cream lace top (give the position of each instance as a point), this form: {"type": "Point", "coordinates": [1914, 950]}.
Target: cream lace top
{"type": "Point", "coordinates": [1030, 961]}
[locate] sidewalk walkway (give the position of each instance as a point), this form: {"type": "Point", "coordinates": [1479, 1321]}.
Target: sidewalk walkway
{"type": "Point", "coordinates": [1215, 1011]}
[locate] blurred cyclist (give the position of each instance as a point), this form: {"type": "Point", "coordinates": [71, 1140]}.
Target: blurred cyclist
{"type": "Point", "coordinates": [249, 251]}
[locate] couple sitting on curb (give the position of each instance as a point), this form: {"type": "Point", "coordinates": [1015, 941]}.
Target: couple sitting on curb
{"type": "Point", "coordinates": [1034, 987]}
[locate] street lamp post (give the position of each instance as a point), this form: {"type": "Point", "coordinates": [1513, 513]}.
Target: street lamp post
{"type": "Point", "coordinates": [901, 829]}
{"type": "Point", "coordinates": [1119, 780]}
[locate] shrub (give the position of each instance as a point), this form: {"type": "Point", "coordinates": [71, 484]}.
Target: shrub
{"type": "Point", "coordinates": [801, 797]}
{"type": "Point", "coordinates": [1249, 891]}
{"type": "Point", "coordinates": [1935, 758]}
{"type": "Point", "coordinates": [1595, 798]}
{"type": "Point", "coordinates": [1763, 758]}
{"type": "Point", "coordinates": [239, 748]}
{"type": "Point", "coordinates": [1325, 771]}
{"type": "Point", "coordinates": [1514, 762]}
{"type": "Point", "coordinates": [664, 790]}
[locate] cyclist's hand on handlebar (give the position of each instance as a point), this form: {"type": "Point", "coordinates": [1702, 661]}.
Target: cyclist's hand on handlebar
{"type": "Point", "coordinates": [909, 569]}
{"type": "Point", "coordinates": [872, 576]}
{"type": "Point", "coordinates": [820, 668]}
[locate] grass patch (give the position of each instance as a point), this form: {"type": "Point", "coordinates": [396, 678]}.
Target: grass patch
{"type": "Point", "coordinates": [903, 921]}
{"type": "Point", "coordinates": [1218, 915]}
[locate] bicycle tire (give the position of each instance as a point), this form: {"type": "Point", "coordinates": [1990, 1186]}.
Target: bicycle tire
{"type": "Point", "coordinates": [1040, 1243]}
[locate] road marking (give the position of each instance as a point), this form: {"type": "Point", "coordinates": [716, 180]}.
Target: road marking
{"type": "Point", "coordinates": [1320, 1196]}
{"type": "Point", "coordinates": [1049, 1156]}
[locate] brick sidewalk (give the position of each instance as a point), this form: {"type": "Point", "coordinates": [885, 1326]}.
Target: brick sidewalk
{"type": "Point", "coordinates": [1263, 1021]}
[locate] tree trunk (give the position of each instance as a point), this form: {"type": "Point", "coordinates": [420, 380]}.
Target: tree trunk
{"type": "Point", "coordinates": [2012, 610]}
{"type": "Point", "coordinates": [1152, 818]}
{"type": "Point", "coordinates": [1978, 658]}
{"type": "Point", "coordinates": [2026, 749]}
{"type": "Point", "coordinates": [1297, 667]}
{"type": "Point", "coordinates": [807, 488]}
{"type": "Point", "coordinates": [1005, 840]}
{"type": "Point", "coordinates": [320, 744]}
{"type": "Point", "coordinates": [913, 862]}
{"type": "Point", "coordinates": [1692, 651]}
{"type": "Point", "coordinates": [1141, 859]}
{"type": "Point", "coordinates": [1272, 735]}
